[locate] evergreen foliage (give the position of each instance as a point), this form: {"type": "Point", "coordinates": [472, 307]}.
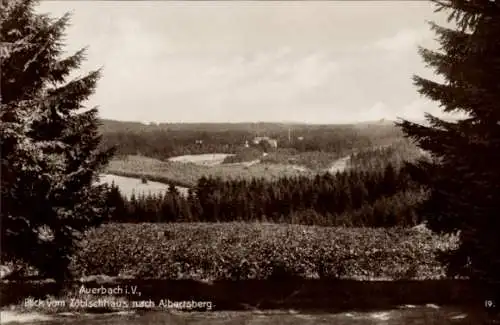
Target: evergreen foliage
{"type": "Point", "coordinates": [463, 177]}
{"type": "Point", "coordinates": [48, 142]}
{"type": "Point", "coordinates": [165, 140]}
{"type": "Point", "coordinates": [380, 199]}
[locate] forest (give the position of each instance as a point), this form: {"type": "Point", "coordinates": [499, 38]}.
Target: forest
{"type": "Point", "coordinates": [374, 190]}
{"type": "Point", "coordinates": [383, 198]}
{"type": "Point", "coordinates": [162, 141]}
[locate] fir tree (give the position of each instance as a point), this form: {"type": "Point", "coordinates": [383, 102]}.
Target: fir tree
{"type": "Point", "coordinates": [49, 145]}
{"type": "Point", "coordinates": [116, 201]}
{"type": "Point", "coordinates": [463, 177]}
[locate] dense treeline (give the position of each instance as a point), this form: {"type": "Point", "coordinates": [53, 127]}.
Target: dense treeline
{"type": "Point", "coordinates": [464, 179]}
{"type": "Point", "coordinates": [377, 199]}
{"type": "Point", "coordinates": [165, 140]}
{"type": "Point", "coordinates": [162, 144]}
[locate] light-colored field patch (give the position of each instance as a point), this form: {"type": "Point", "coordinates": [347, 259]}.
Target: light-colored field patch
{"type": "Point", "coordinates": [12, 317]}
{"type": "Point", "coordinates": [380, 316]}
{"type": "Point", "coordinates": [339, 165]}
{"type": "Point", "coordinates": [209, 159]}
{"type": "Point", "coordinates": [129, 185]}
{"type": "Point", "coordinates": [299, 168]}
{"type": "Point", "coordinates": [5, 271]}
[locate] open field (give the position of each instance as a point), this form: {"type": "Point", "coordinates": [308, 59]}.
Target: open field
{"type": "Point", "coordinates": [316, 161]}
{"type": "Point", "coordinates": [187, 170]}
{"type": "Point", "coordinates": [209, 159]}
{"type": "Point", "coordinates": [187, 174]}
{"type": "Point", "coordinates": [130, 185]}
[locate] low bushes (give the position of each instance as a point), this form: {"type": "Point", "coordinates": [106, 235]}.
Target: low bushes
{"type": "Point", "coordinates": [257, 251]}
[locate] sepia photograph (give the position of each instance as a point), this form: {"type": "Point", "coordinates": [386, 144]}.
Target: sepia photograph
{"type": "Point", "coordinates": [250, 162]}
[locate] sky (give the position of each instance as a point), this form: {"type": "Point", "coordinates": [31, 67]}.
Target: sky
{"type": "Point", "coordinates": [312, 62]}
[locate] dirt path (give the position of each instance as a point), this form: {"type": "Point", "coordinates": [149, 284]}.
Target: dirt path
{"type": "Point", "coordinates": [339, 165]}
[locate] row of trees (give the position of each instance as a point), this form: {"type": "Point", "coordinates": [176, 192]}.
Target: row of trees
{"type": "Point", "coordinates": [350, 198]}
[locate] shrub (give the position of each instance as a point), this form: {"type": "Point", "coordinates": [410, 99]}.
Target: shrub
{"type": "Point", "coordinates": [259, 251]}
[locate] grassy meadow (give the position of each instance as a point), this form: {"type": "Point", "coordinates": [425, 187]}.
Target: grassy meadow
{"type": "Point", "coordinates": [209, 159]}
{"type": "Point", "coordinates": [133, 185]}
{"type": "Point", "coordinates": [188, 174]}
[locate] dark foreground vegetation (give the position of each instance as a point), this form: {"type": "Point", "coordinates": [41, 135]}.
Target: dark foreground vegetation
{"type": "Point", "coordinates": [240, 251]}
{"type": "Point", "coordinates": [238, 266]}
{"type": "Point", "coordinates": [215, 251]}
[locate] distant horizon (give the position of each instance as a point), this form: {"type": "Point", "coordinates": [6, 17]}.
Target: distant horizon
{"type": "Point", "coordinates": [368, 121]}
{"type": "Point", "coordinates": [386, 121]}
